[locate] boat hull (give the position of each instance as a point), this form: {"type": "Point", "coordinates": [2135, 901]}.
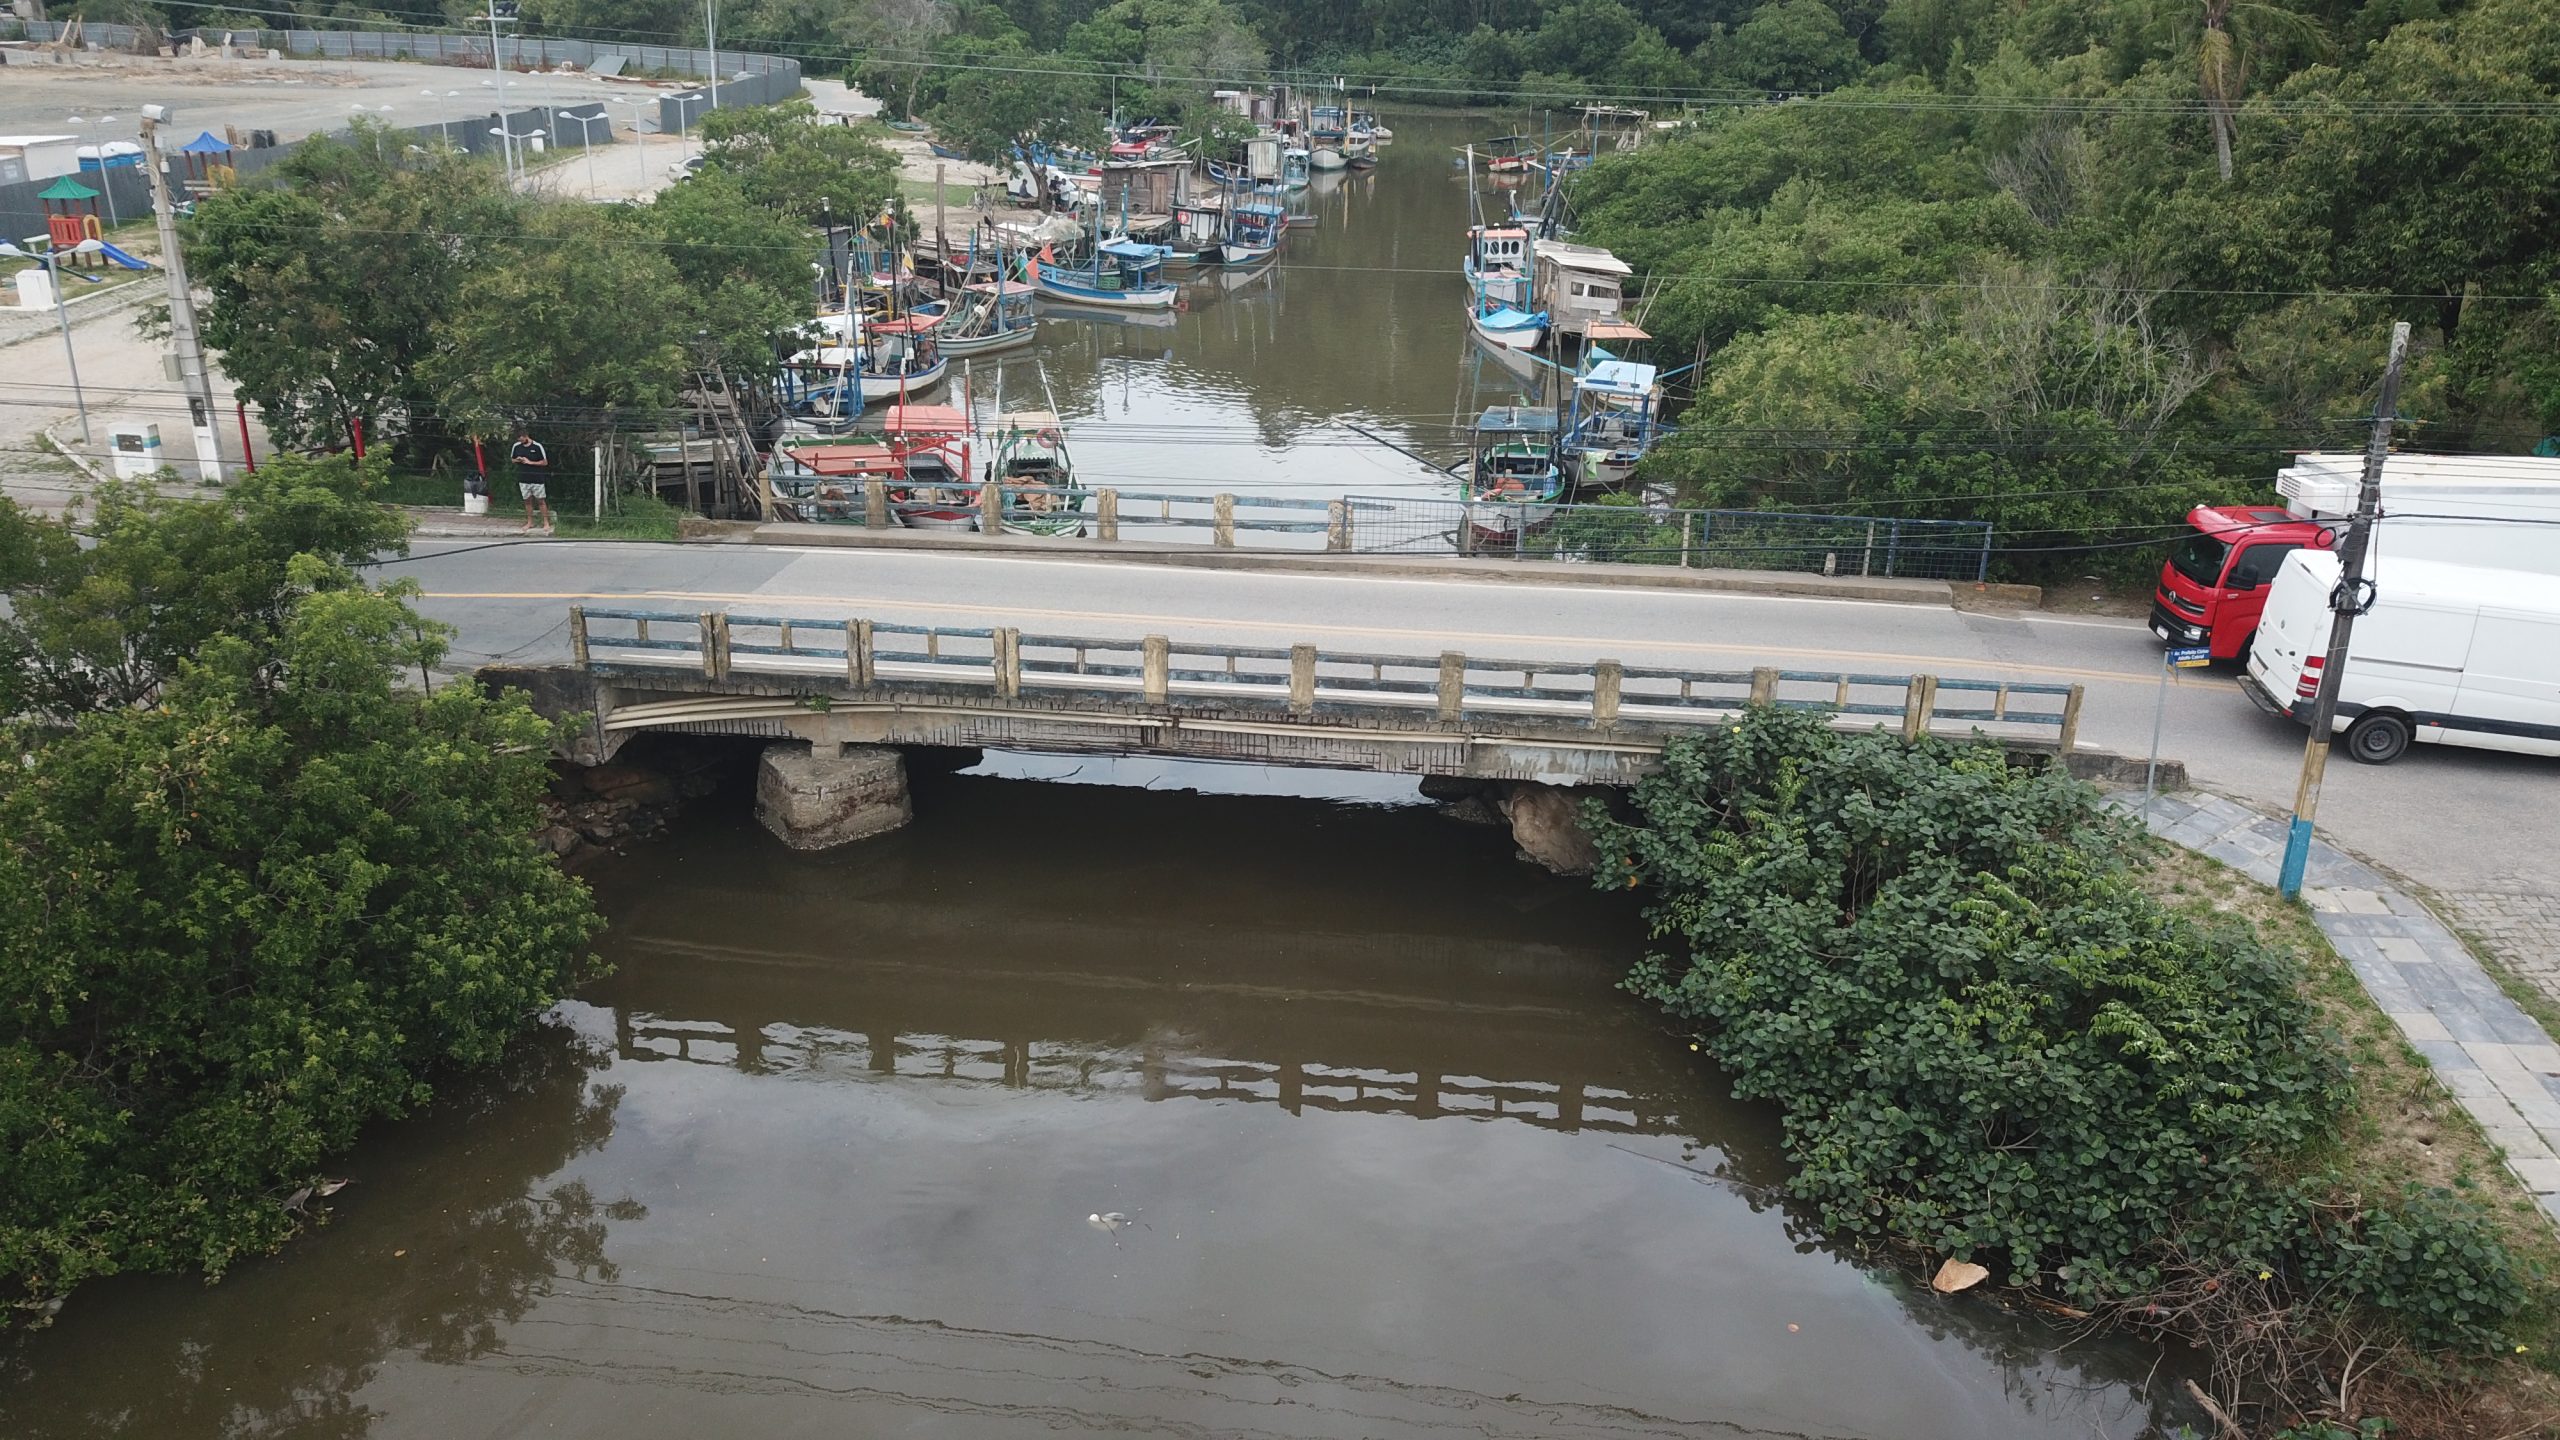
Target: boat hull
{"type": "Point", "coordinates": [1328, 159]}
{"type": "Point", "coordinates": [890, 387]}
{"type": "Point", "coordinates": [1153, 299]}
{"type": "Point", "coordinates": [1013, 339]}
{"type": "Point", "coordinates": [1508, 337]}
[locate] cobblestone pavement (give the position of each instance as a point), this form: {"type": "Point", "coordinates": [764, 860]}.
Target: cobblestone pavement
{"type": "Point", "coordinates": [2492, 1056]}
{"type": "Point", "coordinates": [2520, 925]}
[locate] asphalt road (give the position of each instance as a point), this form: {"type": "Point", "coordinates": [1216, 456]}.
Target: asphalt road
{"type": "Point", "coordinates": [2446, 818]}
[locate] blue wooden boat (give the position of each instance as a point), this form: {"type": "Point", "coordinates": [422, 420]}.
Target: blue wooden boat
{"type": "Point", "coordinates": [1118, 274]}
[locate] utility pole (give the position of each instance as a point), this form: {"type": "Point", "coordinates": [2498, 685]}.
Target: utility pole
{"type": "Point", "coordinates": [2345, 603]}
{"type": "Point", "coordinates": [183, 336]}
{"type": "Point", "coordinates": [711, 42]}
{"type": "Point", "coordinates": [499, 82]}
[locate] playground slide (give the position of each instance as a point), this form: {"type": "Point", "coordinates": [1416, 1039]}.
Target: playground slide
{"type": "Point", "coordinates": [122, 258]}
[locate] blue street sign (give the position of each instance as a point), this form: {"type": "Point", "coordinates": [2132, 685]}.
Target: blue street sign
{"type": "Point", "coordinates": [2188, 658]}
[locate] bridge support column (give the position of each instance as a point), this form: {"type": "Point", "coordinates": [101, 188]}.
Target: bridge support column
{"type": "Point", "coordinates": [816, 797]}
{"type": "Point", "coordinates": [1546, 823]}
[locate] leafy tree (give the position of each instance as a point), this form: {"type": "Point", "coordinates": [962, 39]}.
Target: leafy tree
{"type": "Point", "coordinates": [296, 265]}
{"type": "Point", "coordinates": [1171, 50]}
{"type": "Point", "coordinates": [1792, 45]}
{"type": "Point", "coordinates": [744, 268]}
{"type": "Point", "coordinates": [582, 320]}
{"type": "Point", "coordinates": [783, 158]}
{"type": "Point", "coordinates": [1021, 97]}
{"type": "Point", "coordinates": [246, 918]}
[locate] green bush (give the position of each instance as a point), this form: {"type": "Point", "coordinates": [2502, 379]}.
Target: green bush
{"type": "Point", "coordinates": [256, 891]}
{"type": "Point", "coordinates": [1986, 1041]}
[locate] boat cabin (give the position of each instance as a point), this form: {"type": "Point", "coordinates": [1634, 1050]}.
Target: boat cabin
{"type": "Point", "coordinates": [1580, 287]}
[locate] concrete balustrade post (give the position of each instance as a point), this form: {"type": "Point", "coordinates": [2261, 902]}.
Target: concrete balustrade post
{"type": "Point", "coordinates": [1155, 665]}
{"type": "Point", "coordinates": [875, 504]}
{"type": "Point", "coordinates": [1453, 686]}
{"type": "Point", "coordinates": [2070, 735]}
{"type": "Point", "coordinates": [1222, 511]}
{"type": "Point", "coordinates": [1337, 524]}
{"type": "Point", "coordinates": [1608, 682]}
{"type": "Point", "coordinates": [578, 635]}
{"type": "Point", "coordinates": [1106, 515]}
{"type": "Point", "coordinates": [991, 509]}
{"type": "Point", "coordinates": [709, 643]}
{"type": "Point", "coordinates": [1764, 685]}
{"type": "Point", "coordinates": [1008, 662]}
{"type": "Point", "coordinates": [1302, 679]}
{"type": "Point", "coordinates": [1917, 697]}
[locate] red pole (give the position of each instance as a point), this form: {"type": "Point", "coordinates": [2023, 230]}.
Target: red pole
{"type": "Point", "coordinates": [248, 454]}
{"type": "Point", "coordinates": [355, 427]}
{"type": "Point", "coordinates": [479, 462]}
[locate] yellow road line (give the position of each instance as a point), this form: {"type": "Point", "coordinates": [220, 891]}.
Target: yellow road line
{"type": "Point", "coordinates": [1436, 639]}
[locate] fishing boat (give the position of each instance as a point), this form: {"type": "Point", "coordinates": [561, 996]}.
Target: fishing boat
{"type": "Point", "coordinates": [1328, 125]}
{"type": "Point", "coordinates": [1294, 164]}
{"type": "Point", "coordinates": [1030, 462]}
{"type": "Point", "coordinates": [901, 357]}
{"type": "Point", "coordinates": [819, 479]}
{"type": "Point", "coordinates": [990, 315]}
{"type": "Point", "coordinates": [1255, 231]}
{"type": "Point", "coordinates": [1512, 478]}
{"type": "Point", "coordinates": [1327, 158]}
{"type": "Point", "coordinates": [1508, 154]}
{"type": "Point", "coordinates": [1119, 274]}
{"type": "Point", "coordinates": [1368, 120]}
{"type": "Point", "coordinates": [1615, 420]}
{"type": "Point", "coordinates": [1497, 271]}
{"type": "Point", "coordinates": [931, 443]}
{"type": "Point", "coordinates": [1199, 232]}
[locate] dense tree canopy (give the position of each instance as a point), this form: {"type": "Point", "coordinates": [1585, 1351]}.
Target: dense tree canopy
{"type": "Point", "coordinates": [433, 302]}
{"type": "Point", "coordinates": [256, 888]}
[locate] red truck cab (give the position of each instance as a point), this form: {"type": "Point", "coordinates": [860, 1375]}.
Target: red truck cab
{"type": "Point", "coordinates": [2214, 586]}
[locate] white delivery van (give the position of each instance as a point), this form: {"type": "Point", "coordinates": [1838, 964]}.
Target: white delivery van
{"type": "Point", "coordinates": [2448, 655]}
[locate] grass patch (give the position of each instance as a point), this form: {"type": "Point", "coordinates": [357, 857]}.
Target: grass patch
{"type": "Point", "coordinates": [2402, 1128]}
{"type": "Point", "coordinates": [627, 516]}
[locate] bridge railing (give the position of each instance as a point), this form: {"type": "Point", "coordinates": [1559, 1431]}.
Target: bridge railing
{"type": "Point", "coordinates": [992, 506]}
{"type": "Point", "coordinates": [1864, 545]}
{"type": "Point", "coordinates": [1306, 683]}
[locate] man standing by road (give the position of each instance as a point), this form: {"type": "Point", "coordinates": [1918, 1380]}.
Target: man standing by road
{"type": "Point", "coordinates": [533, 478]}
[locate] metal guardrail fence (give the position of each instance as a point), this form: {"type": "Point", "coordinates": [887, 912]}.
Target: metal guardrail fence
{"type": "Point", "coordinates": [1958, 550]}
{"type": "Point", "coordinates": [1699, 539]}
{"type": "Point", "coordinates": [1301, 681]}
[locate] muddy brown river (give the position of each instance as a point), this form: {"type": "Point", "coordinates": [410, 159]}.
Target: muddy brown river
{"type": "Point", "coordinates": [1389, 1157]}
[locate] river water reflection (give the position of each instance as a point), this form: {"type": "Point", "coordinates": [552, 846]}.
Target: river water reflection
{"type": "Point", "coordinates": [819, 1159]}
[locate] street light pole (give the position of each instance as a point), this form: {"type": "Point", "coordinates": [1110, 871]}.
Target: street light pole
{"type": "Point", "coordinates": [500, 83]}
{"type": "Point", "coordinates": [183, 336]}
{"type": "Point", "coordinates": [106, 182]}
{"type": "Point", "coordinates": [2345, 603]}
{"type": "Point", "coordinates": [51, 260]}
{"type": "Point", "coordinates": [587, 139]}
{"type": "Point", "coordinates": [711, 40]}
{"type": "Point", "coordinates": [639, 143]}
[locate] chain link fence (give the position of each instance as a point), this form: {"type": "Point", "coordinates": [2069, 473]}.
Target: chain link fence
{"type": "Point", "coordinates": [1696, 539]}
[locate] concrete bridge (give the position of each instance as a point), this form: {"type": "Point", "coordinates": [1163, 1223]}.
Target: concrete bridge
{"type": "Point", "coordinates": [846, 691]}
{"type": "Point", "coordinates": [841, 682]}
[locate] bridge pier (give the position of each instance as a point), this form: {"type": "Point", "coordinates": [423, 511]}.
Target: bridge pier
{"type": "Point", "coordinates": [820, 795]}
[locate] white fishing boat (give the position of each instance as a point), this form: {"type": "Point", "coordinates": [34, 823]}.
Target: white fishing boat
{"type": "Point", "coordinates": [1497, 273]}
{"type": "Point", "coordinates": [1327, 158]}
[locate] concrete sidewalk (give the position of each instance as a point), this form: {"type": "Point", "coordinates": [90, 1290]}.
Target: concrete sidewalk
{"type": "Point", "coordinates": [2493, 1057]}
{"type": "Point", "coordinates": [1963, 595]}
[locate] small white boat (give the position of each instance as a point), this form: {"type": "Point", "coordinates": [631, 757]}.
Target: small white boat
{"type": "Point", "coordinates": [1327, 158]}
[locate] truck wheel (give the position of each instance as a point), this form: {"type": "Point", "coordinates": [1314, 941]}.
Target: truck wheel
{"type": "Point", "coordinates": [2378, 737]}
